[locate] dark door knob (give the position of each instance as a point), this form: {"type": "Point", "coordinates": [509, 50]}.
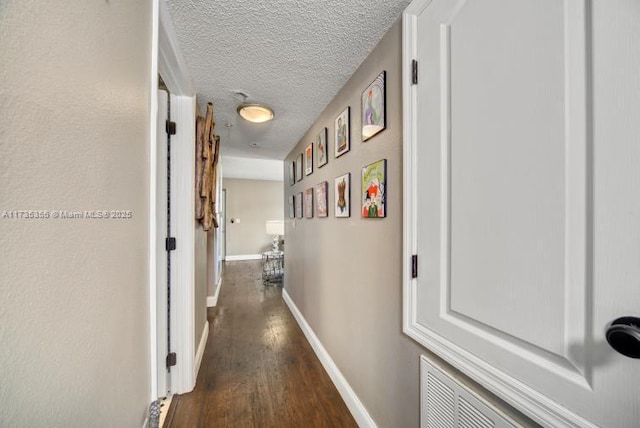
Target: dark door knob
{"type": "Point", "coordinates": [624, 336]}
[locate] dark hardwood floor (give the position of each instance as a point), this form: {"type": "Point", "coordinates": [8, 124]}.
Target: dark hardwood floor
{"type": "Point", "coordinates": [258, 369]}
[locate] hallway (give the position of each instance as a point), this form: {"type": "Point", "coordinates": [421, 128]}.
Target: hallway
{"type": "Point", "coordinates": [258, 369]}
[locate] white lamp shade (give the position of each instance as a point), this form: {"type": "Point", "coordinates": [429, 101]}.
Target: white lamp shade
{"type": "Point", "coordinates": [275, 227]}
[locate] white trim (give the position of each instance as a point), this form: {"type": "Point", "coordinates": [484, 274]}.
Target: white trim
{"type": "Point", "coordinates": [535, 405]}
{"type": "Point", "coordinates": [212, 301]}
{"type": "Point", "coordinates": [160, 218]}
{"type": "Point", "coordinates": [153, 123]}
{"type": "Point", "coordinates": [357, 409]}
{"type": "Point", "coordinates": [201, 346]}
{"type": "Point", "coordinates": [182, 191]}
{"type": "Point", "coordinates": [172, 65]}
{"type": "Point", "coordinates": [166, 60]}
{"type": "Point", "coordinates": [244, 257]}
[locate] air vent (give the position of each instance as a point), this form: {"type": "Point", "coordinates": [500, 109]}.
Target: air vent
{"type": "Point", "coordinates": [441, 404]}
{"type": "Point", "coordinates": [470, 417]}
{"type": "Point", "coordinates": [446, 403]}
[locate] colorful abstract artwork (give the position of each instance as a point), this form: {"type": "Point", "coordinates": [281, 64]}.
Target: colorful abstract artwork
{"type": "Point", "coordinates": [374, 189]}
{"type": "Point", "coordinates": [322, 191]}
{"type": "Point", "coordinates": [292, 208]}
{"type": "Point", "coordinates": [298, 203]}
{"type": "Point", "coordinates": [292, 173]}
{"type": "Point", "coordinates": [308, 203]}
{"type": "Point", "coordinates": [308, 159]}
{"type": "Point", "coordinates": [373, 108]}
{"type": "Point", "coordinates": [342, 132]}
{"type": "Point", "coordinates": [321, 148]}
{"type": "Point", "coordinates": [299, 168]}
{"type": "Point", "coordinates": [342, 194]}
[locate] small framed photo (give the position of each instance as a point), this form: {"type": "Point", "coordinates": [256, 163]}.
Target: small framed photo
{"type": "Point", "coordinates": [374, 108]}
{"type": "Point", "coordinates": [374, 190]}
{"type": "Point", "coordinates": [342, 133]}
{"type": "Point", "coordinates": [322, 191]}
{"type": "Point", "coordinates": [342, 195]}
{"type": "Point", "coordinates": [292, 173]}
{"type": "Point", "coordinates": [308, 203]}
{"type": "Point", "coordinates": [292, 208]}
{"type": "Point", "coordinates": [299, 168]}
{"type": "Point", "coordinates": [298, 203]}
{"type": "Point", "coordinates": [308, 159]}
{"type": "Point", "coordinates": [321, 148]}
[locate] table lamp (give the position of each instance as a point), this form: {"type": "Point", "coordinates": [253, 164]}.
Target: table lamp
{"type": "Point", "coordinates": [275, 228]}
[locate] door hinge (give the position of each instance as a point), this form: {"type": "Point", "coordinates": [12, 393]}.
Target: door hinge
{"type": "Point", "coordinates": [414, 266]}
{"type": "Point", "coordinates": [171, 128]}
{"type": "Point", "coordinates": [414, 71]}
{"type": "Point", "coordinates": [171, 359]}
{"type": "Point", "coordinates": [170, 244]}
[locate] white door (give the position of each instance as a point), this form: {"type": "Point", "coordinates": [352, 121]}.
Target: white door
{"type": "Point", "coordinates": [522, 176]}
{"type": "Point", "coordinates": [164, 383]}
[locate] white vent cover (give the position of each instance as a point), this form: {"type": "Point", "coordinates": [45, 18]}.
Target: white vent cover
{"type": "Point", "coordinates": [445, 403]}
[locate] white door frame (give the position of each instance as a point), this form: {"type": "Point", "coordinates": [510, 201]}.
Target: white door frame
{"type": "Point", "coordinates": [167, 60]}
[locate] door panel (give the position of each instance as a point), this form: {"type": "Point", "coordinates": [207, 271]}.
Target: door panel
{"type": "Point", "coordinates": [502, 163]}
{"type": "Point", "coordinates": [164, 379]}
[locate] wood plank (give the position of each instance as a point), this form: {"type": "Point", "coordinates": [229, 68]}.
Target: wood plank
{"type": "Point", "coordinates": [258, 370]}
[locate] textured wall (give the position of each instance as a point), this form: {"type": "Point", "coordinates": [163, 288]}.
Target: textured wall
{"type": "Point", "coordinates": [74, 294]}
{"type": "Point", "coordinates": [345, 274]}
{"type": "Point", "coordinates": [253, 202]}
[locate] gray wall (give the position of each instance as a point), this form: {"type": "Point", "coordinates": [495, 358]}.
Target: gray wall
{"type": "Point", "coordinates": [345, 274]}
{"type": "Point", "coordinates": [254, 202]}
{"type": "Point", "coordinates": [74, 293]}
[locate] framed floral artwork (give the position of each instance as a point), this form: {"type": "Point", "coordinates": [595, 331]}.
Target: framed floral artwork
{"type": "Point", "coordinates": [308, 159]}
{"type": "Point", "coordinates": [299, 167]}
{"type": "Point", "coordinates": [292, 208]}
{"type": "Point", "coordinates": [374, 108]}
{"type": "Point", "coordinates": [308, 203]}
{"type": "Point", "coordinates": [342, 133]}
{"type": "Point", "coordinates": [342, 195]}
{"type": "Point", "coordinates": [298, 203]}
{"type": "Point", "coordinates": [374, 189]}
{"type": "Point", "coordinates": [321, 148]}
{"type": "Point", "coordinates": [292, 173]}
{"type": "Point", "coordinates": [322, 191]}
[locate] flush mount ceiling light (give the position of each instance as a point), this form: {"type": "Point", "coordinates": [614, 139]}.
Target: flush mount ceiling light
{"type": "Point", "coordinates": [257, 113]}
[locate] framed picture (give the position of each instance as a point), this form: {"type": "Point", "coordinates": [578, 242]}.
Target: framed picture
{"type": "Point", "coordinates": [374, 189]}
{"type": "Point", "coordinates": [308, 203]}
{"type": "Point", "coordinates": [342, 195]}
{"type": "Point", "coordinates": [342, 132]}
{"type": "Point", "coordinates": [308, 159]}
{"type": "Point", "coordinates": [298, 203]}
{"type": "Point", "coordinates": [299, 167]}
{"type": "Point", "coordinates": [374, 108]}
{"type": "Point", "coordinates": [292, 208]}
{"type": "Point", "coordinates": [321, 148]}
{"type": "Point", "coordinates": [322, 191]}
{"type": "Point", "coordinates": [292, 173]}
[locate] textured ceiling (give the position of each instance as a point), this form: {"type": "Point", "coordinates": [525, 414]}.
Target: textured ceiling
{"type": "Point", "coordinates": [293, 55]}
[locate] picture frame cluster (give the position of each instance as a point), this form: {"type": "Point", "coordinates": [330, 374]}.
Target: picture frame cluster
{"type": "Point", "coordinates": [373, 190]}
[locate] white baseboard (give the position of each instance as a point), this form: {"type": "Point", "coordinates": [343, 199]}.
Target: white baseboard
{"type": "Point", "coordinates": [244, 257]}
{"type": "Point", "coordinates": [212, 301]}
{"type": "Point", "coordinates": [357, 409]}
{"type": "Point", "coordinates": [200, 352]}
